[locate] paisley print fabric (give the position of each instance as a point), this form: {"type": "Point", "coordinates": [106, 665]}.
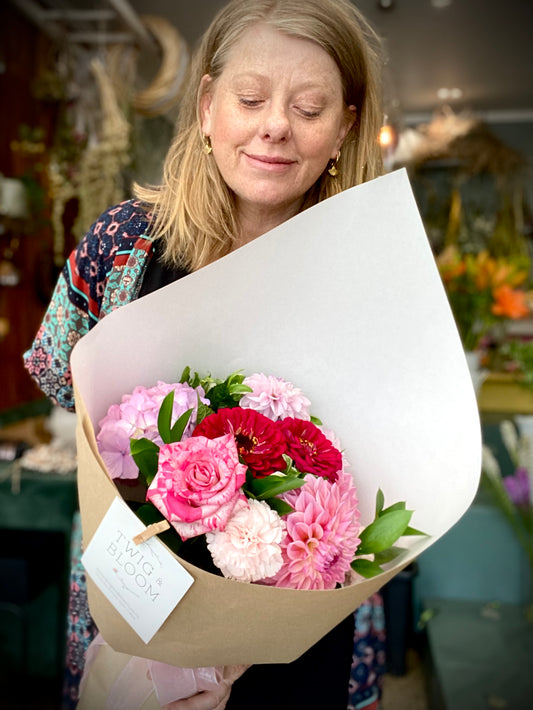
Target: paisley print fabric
{"type": "Point", "coordinates": [368, 665]}
{"type": "Point", "coordinates": [103, 273]}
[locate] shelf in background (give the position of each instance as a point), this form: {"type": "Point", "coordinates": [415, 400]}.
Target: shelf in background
{"type": "Point", "coordinates": [502, 393]}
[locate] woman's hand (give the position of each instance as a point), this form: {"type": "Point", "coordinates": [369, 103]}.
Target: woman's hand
{"type": "Point", "coordinates": [210, 699]}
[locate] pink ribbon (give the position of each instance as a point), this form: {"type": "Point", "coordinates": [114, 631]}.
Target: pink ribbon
{"type": "Point", "coordinates": [142, 676]}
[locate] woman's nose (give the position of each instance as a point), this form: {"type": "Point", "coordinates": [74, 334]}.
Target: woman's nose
{"type": "Point", "coordinates": [276, 125]}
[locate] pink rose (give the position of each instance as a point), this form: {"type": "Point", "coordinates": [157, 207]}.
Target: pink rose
{"type": "Point", "coordinates": [197, 484]}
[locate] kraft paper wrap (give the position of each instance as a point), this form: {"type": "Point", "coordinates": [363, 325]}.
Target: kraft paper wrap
{"type": "Point", "coordinates": [346, 302]}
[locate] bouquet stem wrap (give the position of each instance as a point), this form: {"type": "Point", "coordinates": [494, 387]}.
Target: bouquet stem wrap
{"type": "Point", "coordinates": [117, 681]}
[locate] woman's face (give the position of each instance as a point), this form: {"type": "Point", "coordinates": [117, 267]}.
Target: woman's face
{"type": "Point", "coordinates": [275, 117]}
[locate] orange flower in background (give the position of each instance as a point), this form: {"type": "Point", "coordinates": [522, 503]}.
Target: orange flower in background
{"type": "Point", "coordinates": [483, 290]}
{"type": "Point", "coordinates": [509, 302]}
{"type": "Point", "coordinates": [450, 264]}
{"type": "Point", "coordinates": [482, 267]}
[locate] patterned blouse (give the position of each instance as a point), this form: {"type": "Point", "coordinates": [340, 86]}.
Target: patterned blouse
{"type": "Point", "coordinates": [102, 274]}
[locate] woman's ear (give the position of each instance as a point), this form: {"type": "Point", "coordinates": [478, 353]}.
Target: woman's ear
{"type": "Point", "coordinates": [204, 104]}
{"type": "Point", "coordinates": [350, 116]}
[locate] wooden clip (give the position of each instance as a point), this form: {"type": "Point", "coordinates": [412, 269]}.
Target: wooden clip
{"type": "Point", "coordinates": [150, 531]}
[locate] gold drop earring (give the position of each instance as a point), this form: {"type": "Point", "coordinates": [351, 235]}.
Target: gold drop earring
{"type": "Point", "coordinates": [207, 145]}
{"type": "Point", "coordinates": [332, 170]}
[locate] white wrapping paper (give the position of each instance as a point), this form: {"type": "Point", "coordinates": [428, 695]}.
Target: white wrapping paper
{"type": "Point", "coordinates": [345, 301]}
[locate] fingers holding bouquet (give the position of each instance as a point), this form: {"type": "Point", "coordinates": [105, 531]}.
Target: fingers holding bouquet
{"type": "Point", "coordinates": [212, 699]}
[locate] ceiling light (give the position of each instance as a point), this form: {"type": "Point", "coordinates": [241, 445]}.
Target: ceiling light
{"type": "Point", "coordinates": [387, 136]}
{"type": "Point", "coordinates": [453, 94]}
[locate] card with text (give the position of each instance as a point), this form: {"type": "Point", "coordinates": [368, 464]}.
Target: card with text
{"type": "Point", "coordinates": [143, 582]}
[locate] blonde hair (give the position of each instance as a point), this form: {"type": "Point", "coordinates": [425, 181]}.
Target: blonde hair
{"type": "Point", "coordinates": [193, 208]}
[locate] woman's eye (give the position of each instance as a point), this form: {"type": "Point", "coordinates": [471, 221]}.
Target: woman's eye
{"type": "Point", "coordinates": [250, 103]}
{"type": "Point", "coordinates": [308, 112]}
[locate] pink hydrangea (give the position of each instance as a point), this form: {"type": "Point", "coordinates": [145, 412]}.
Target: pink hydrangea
{"type": "Point", "coordinates": [275, 398]}
{"type": "Point", "coordinates": [322, 534]}
{"type": "Point", "coordinates": [197, 484]}
{"type": "Point", "coordinates": [136, 417]}
{"type": "Point", "coordinates": [114, 446]}
{"type": "Point", "coordinates": [248, 549]}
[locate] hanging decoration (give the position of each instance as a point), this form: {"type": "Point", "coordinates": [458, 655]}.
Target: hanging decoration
{"type": "Point", "coordinates": [163, 93]}
{"type": "Point", "coordinates": [100, 177]}
{"type": "Point", "coordinates": [102, 98]}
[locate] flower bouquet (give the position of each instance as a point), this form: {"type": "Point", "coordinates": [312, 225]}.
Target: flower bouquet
{"type": "Point", "coordinates": [483, 291]}
{"type": "Point", "coordinates": [249, 485]}
{"type": "Point", "coordinates": [241, 469]}
{"type": "Point", "coordinates": [348, 326]}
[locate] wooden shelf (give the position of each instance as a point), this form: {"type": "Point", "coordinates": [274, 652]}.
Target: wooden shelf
{"type": "Point", "coordinates": [502, 393]}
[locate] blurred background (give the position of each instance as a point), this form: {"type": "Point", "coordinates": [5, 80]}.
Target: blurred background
{"type": "Point", "coordinates": [90, 92]}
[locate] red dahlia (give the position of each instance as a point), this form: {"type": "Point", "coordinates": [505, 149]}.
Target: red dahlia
{"type": "Point", "coordinates": [260, 442]}
{"type": "Point", "coordinates": [311, 451]}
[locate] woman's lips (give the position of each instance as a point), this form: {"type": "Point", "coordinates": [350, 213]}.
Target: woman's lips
{"type": "Point", "coordinates": [268, 162]}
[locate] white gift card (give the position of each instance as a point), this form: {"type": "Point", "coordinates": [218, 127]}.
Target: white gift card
{"type": "Point", "coordinates": [143, 582]}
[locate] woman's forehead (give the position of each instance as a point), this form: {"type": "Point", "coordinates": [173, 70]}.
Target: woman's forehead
{"type": "Point", "coordinates": [263, 50]}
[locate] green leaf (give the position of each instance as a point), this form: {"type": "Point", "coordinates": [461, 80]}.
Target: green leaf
{"type": "Point", "coordinates": [289, 469]}
{"type": "Point", "coordinates": [149, 514]}
{"type": "Point", "coordinates": [316, 421]}
{"type": "Point", "coordinates": [236, 391]}
{"type": "Point", "coordinates": [270, 486]}
{"type": "Point", "coordinates": [395, 506]}
{"type": "Point", "coordinates": [185, 375]}
{"type": "Point", "coordinates": [387, 555]}
{"type": "Point", "coordinates": [145, 454]}
{"type": "Point", "coordinates": [380, 501]}
{"type": "Point", "coordinates": [383, 532]}
{"type": "Point", "coordinates": [171, 434]}
{"type": "Point", "coordinates": [179, 426]}
{"type": "Point", "coordinates": [280, 506]}
{"type": "Point", "coordinates": [164, 417]}
{"type": "Point", "coordinates": [202, 412]}
{"type": "Point", "coordinates": [366, 568]}
{"type": "Point", "coordinates": [413, 531]}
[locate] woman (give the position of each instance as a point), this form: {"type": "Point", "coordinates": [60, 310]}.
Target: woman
{"type": "Point", "coordinates": [282, 110]}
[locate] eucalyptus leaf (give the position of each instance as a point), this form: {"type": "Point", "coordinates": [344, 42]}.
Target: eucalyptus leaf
{"type": "Point", "coordinates": [383, 532]}
{"type": "Point", "coordinates": [366, 568]}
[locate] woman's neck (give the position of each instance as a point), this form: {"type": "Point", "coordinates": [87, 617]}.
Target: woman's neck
{"type": "Point", "coordinates": [255, 221]}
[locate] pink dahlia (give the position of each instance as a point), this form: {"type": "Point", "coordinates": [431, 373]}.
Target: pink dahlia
{"type": "Point", "coordinates": [322, 534]}
{"type": "Point", "coordinates": [310, 449]}
{"type": "Point", "coordinates": [248, 548]}
{"type": "Point", "coordinates": [275, 398]}
{"type": "Point", "coordinates": [260, 442]}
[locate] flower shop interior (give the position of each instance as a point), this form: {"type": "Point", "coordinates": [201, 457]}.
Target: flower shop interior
{"type": "Point", "coordinates": [90, 92]}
